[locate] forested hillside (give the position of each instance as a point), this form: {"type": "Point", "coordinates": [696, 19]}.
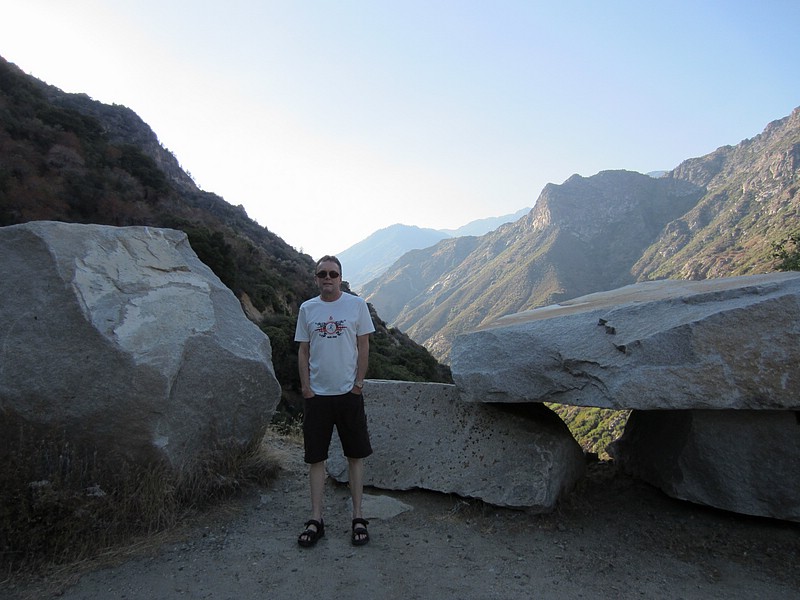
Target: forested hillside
{"type": "Point", "coordinates": [65, 157]}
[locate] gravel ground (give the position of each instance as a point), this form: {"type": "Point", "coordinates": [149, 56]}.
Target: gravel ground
{"type": "Point", "coordinates": [612, 537]}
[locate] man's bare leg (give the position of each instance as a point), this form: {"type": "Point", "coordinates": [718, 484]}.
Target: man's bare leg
{"type": "Point", "coordinates": [316, 477]}
{"type": "Point", "coordinates": [355, 473]}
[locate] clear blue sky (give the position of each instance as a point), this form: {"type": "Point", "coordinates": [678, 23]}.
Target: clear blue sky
{"type": "Point", "coordinates": [331, 119]}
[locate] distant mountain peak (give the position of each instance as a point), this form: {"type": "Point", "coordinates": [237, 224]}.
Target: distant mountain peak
{"type": "Point", "coordinates": [373, 255]}
{"type": "Point", "coordinates": [370, 257]}
{"type": "Point", "coordinates": [483, 226]}
{"type": "Point", "coordinates": [712, 216]}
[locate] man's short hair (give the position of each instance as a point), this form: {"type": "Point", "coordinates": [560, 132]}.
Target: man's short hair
{"type": "Point", "coordinates": [329, 258]}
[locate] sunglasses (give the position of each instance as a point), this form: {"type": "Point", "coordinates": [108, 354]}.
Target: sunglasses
{"type": "Point", "coordinates": [324, 274]}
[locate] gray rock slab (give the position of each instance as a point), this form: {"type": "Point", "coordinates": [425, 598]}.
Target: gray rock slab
{"type": "Point", "coordinates": [425, 437]}
{"type": "Point", "coordinates": [745, 461]}
{"type": "Point", "coordinates": [730, 343]}
{"type": "Point", "coordinates": [127, 344]}
{"type": "Point", "coordinates": [383, 507]}
{"type": "Point", "coordinates": [378, 506]}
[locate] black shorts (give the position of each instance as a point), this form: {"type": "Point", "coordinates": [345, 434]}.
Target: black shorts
{"type": "Point", "coordinates": [346, 412]}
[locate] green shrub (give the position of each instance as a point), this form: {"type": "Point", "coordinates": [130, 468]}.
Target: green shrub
{"type": "Point", "coordinates": [280, 330]}
{"type": "Point", "coordinates": [214, 251]}
{"type": "Point", "coordinates": [787, 251]}
{"type": "Point", "coordinates": [142, 167]}
{"type": "Point", "coordinates": [593, 428]}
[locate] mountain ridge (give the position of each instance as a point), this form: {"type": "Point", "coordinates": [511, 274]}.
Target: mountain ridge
{"type": "Point", "coordinates": [369, 258]}
{"type": "Point", "coordinates": [715, 215]}
{"type": "Point", "coordinates": [67, 157]}
{"type": "Point", "coordinates": [487, 224]}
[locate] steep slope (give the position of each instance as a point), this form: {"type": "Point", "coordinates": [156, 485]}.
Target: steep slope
{"type": "Point", "coordinates": [751, 201]}
{"type": "Point", "coordinates": [713, 216]}
{"type": "Point", "coordinates": [581, 236]}
{"type": "Point", "coordinates": [415, 272]}
{"type": "Point", "coordinates": [373, 255]}
{"type": "Point", "coordinates": [67, 157]}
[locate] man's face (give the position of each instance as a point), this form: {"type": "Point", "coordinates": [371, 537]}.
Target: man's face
{"type": "Point", "coordinates": [328, 285]}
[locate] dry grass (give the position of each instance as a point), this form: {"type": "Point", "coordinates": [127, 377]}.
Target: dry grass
{"type": "Point", "coordinates": [61, 505]}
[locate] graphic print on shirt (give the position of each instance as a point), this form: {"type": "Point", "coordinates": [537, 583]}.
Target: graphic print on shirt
{"type": "Point", "coordinates": [330, 328]}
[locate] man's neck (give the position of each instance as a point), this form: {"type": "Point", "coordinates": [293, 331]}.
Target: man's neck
{"type": "Point", "coordinates": [331, 296]}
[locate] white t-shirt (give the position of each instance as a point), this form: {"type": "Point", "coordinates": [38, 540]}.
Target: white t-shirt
{"type": "Point", "coordinates": [332, 329]}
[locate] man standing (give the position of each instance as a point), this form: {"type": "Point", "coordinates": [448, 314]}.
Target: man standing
{"type": "Point", "coordinates": [333, 330]}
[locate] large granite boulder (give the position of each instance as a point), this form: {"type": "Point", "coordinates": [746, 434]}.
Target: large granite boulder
{"type": "Point", "coordinates": [670, 350]}
{"type": "Point", "coordinates": [424, 437]}
{"type": "Point", "coordinates": [744, 461]}
{"type": "Point", "coordinates": [719, 343]}
{"type": "Point", "coordinates": [120, 342]}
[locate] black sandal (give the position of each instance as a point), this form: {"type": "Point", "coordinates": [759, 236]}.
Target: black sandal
{"type": "Point", "coordinates": [360, 534]}
{"type": "Point", "coordinates": [309, 537]}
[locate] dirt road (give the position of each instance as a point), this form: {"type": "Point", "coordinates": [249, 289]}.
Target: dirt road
{"type": "Point", "coordinates": [613, 537]}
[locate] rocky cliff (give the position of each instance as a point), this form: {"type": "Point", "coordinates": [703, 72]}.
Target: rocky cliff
{"type": "Point", "coordinates": [582, 236]}
{"type": "Point", "coordinates": [712, 216]}
{"type": "Point", "coordinates": [751, 200]}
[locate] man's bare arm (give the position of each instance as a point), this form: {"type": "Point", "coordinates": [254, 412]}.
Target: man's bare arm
{"type": "Point", "coordinates": [303, 355]}
{"type": "Point", "coordinates": [363, 362]}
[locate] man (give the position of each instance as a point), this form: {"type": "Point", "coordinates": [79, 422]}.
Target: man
{"type": "Point", "coordinates": [333, 330]}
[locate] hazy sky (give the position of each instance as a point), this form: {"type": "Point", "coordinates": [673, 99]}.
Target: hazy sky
{"type": "Point", "coordinates": [331, 119]}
